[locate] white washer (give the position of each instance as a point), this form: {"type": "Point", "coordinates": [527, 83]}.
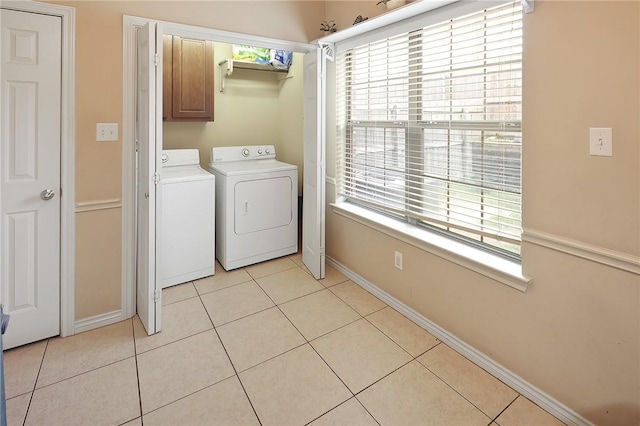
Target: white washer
{"type": "Point", "coordinates": [256, 205]}
{"type": "Point", "coordinates": [188, 207]}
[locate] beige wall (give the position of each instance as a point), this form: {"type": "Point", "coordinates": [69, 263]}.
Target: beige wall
{"type": "Point", "coordinates": [575, 333]}
{"type": "Point", "coordinates": [255, 108]}
{"type": "Point", "coordinates": [99, 99]}
{"type": "Point", "coordinates": [581, 71]}
{"type": "Point", "coordinates": [98, 262]}
{"type": "Point", "coordinates": [343, 13]}
{"type": "Point", "coordinates": [290, 131]}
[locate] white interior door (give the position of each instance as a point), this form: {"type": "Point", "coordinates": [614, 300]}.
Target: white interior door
{"type": "Point", "coordinates": [149, 132]}
{"type": "Point", "coordinates": [30, 175]}
{"type": "Point", "coordinates": [313, 207]}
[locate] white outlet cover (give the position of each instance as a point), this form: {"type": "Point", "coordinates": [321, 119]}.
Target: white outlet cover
{"type": "Point", "coordinates": [601, 141]}
{"type": "Point", "coordinates": [106, 132]}
{"type": "Point", "coordinates": [397, 260]}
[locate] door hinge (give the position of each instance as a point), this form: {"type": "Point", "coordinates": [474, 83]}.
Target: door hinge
{"type": "Point", "coordinates": [156, 178]}
{"type": "Point", "coordinates": [156, 59]}
{"type": "Point", "coordinates": [156, 296]}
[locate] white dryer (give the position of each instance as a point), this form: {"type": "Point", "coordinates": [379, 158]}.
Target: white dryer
{"type": "Point", "coordinates": [187, 243]}
{"type": "Point", "coordinates": [256, 205]}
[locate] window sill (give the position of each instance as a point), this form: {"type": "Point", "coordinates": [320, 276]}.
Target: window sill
{"type": "Point", "coordinates": [495, 267]}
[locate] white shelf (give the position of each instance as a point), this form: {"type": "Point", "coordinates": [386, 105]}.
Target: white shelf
{"type": "Point", "coordinates": [391, 17]}
{"type": "Point", "coordinates": [229, 65]}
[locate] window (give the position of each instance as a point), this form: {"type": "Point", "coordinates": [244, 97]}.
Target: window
{"type": "Point", "coordinates": [429, 127]}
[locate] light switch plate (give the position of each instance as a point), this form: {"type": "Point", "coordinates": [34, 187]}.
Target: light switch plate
{"type": "Point", "coordinates": [601, 141]}
{"type": "Point", "coordinates": [106, 132]}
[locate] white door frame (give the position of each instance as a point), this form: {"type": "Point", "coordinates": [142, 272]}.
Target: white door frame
{"type": "Point", "coordinates": [67, 155]}
{"type": "Point", "coordinates": [130, 27]}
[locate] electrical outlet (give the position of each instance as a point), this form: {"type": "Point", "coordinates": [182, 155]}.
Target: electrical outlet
{"type": "Point", "coordinates": [106, 132]}
{"type": "Point", "coordinates": [397, 260]}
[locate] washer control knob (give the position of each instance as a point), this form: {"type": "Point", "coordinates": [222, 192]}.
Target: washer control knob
{"type": "Point", "coordinates": [259, 151]}
{"type": "Point", "coordinates": [245, 152]}
{"type": "Point", "coordinates": [266, 151]}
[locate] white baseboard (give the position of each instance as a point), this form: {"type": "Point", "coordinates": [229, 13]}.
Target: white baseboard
{"type": "Point", "coordinates": [97, 321]}
{"type": "Point", "coordinates": [556, 408]}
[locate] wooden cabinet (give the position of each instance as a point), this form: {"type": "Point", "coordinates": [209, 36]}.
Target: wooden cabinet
{"type": "Point", "coordinates": [187, 79]}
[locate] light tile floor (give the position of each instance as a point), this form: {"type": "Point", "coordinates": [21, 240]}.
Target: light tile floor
{"type": "Point", "coordinates": [268, 345]}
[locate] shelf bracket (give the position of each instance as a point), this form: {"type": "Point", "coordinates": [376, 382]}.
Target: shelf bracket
{"type": "Point", "coordinates": [328, 49]}
{"type": "Point", "coordinates": [226, 69]}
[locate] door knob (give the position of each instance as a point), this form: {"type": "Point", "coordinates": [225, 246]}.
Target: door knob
{"type": "Point", "coordinates": [47, 194]}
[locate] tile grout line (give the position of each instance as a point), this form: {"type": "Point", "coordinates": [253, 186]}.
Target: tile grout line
{"type": "Point", "coordinates": [343, 301]}
{"type": "Point", "coordinates": [246, 268]}
{"type": "Point", "coordinates": [458, 392]}
{"type": "Point", "coordinates": [273, 357]}
{"type": "Point", "coordinates": [135, 354]}
{"type": "Point", "coordinates": [257, 312]}
{"type": "Point", "coordinates": [213, 328]}
{"type": "Point", "coordinates": [291, 300]}
{"type": "Point", "coordinates": [342, 403]}
{"type": "Point", "coordinates": [377, 381]}
{"type": "Point", "coordinates": [243, 317]}
{"type": "Point", "coordinates": [337, 376]}
{"type": "Point", "coordinates": [308, 342]}
{"type": "Point", "coordinates": [35, 383]}
{"type": "Point", "coordinates": [390, 338]}
{"type": "Point", "coordinates": [295, 298]}
{"type": "Point", "coordinates": [88, 371]}
{"type": "Point", "coordinates": [230, 362]}
{"type": "Point", "coordinates": [383, 377]}
{"type": "Point", "coordinates": [343, 326]}
{"type": "Point", "coordinates": [223, 288]}
{"type": "Point", "coordinates": [363, 316]}
{"type": "Point", "coordinates": [354, 396]}
{"type": "Point", "coordinates": [163, 345]}
{"type": "Point", "coordinates": [271, 298]}
{"type": "Point", "coordinates": [181, 300]}
{"type": "Point", "coordinates": [331, 331]}
{"type": "Point", "coordinates": [505, 409]}
{"type": "Point", "coordinates": [367, 410]}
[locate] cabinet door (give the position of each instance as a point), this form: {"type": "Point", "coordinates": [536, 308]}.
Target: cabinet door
{"type": "Point", "coordinates": [192, 79]}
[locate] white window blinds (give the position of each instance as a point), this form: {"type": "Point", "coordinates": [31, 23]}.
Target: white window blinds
{"type": "Point", "coordinates": [429, 126]}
